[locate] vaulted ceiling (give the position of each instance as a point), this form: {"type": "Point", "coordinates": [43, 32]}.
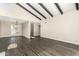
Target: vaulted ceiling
{"type": "Point", "coordinates": [47, 10]}
{"type": "Point", "coordinates": [39, 11]}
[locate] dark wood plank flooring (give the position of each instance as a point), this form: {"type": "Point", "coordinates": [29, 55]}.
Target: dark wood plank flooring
{"type": "Point", "coordinates": [37, 47]}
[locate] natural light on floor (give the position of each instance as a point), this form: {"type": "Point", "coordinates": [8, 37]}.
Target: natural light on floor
{"type": "Point", "coordinates": [2, 53]}
{"type": "Point", "coordinates": [13, 45]}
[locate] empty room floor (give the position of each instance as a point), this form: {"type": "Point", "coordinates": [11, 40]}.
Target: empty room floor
{"type": "Point", "coordinates": [21, 46]}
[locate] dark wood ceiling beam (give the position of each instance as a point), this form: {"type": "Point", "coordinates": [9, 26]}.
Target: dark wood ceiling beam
{"type": "Point", "coordinates": [28, 11]}
{"type": "Point", "coordinates": [45, 9]}
{"type": "Point", "coordinates": [58, 7]}
{"type": "Point", "coordinates": [36, 10]}
{"type": "Point", "coordinates": [77, 7]}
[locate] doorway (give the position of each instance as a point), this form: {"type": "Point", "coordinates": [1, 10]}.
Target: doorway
{"type": "Point", "coordinates": [35, 30]}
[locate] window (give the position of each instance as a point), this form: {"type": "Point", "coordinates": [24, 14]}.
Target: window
{"type": "Point", "coordinates": [13, 29]}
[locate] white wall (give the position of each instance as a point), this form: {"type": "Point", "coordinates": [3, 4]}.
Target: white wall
{"type": "Point", "coordinates": [0, 27]}
{"type": "Point", "coordinates": [5, 29]}
{"type": "Point", "coordinates": [62, 27]}
{"type": "Point", "coordinates": [26, 29]}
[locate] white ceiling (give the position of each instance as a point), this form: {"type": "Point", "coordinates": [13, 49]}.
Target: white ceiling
{"type": "Point", "coordinates": [66, 7]}
{"type": "Point", "coordinates": [14, 10]}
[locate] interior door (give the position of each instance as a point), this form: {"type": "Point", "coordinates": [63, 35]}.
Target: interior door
{"type": "Point", "coordinates": [32, 30]}
{"type": "Point", "coordinates": [35, 29]}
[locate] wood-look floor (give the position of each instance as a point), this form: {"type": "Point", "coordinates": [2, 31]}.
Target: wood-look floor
{"type": "Point", "coordinates": [37, 47]}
